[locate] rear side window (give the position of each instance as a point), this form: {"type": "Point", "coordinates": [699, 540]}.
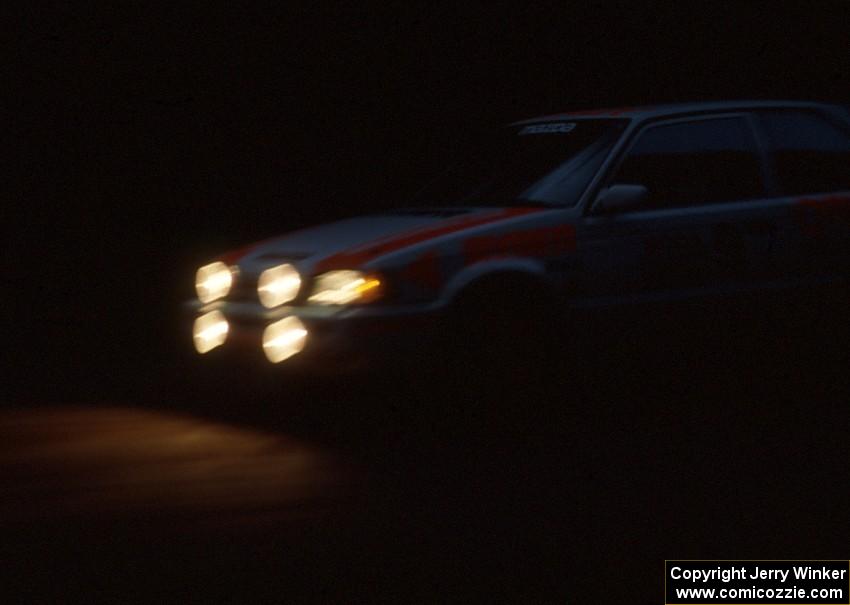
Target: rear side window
{"type": "Point", "coordinates": [692, 163]}
{"type": "Point", "coordinates": [809, 154]}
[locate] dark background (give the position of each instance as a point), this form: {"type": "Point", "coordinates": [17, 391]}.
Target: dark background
{"type": "Point", "coordinates": [145, 141]}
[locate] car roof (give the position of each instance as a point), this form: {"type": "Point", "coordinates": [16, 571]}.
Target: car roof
{"type": "Point", "coordinates": [650, 112]}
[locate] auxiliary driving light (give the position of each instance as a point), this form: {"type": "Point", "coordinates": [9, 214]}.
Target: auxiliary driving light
{"type": "Point", "coordinates": [209, 331]}
{"type": "Point", "coordinates": [278, 285]}
{"type": "Point", "coordinates": [213, 281]}
{"type": "Point", "coordinates": [283, 339]}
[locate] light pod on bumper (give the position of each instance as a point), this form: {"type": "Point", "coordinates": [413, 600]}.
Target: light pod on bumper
{"type": "Point", "coordinates": [284, 338]}
{"type": "Point", "coordinates": [209, 331]}
{"type": "Point", "coordinates": [278, 285]}
{"type": "Point", "coordinates": [344, 287]}
{"type": "Point", "coordinates": [213, 281]}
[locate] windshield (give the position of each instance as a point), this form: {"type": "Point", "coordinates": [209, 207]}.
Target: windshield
{"type": "Point", "coordinates": [547, 163]}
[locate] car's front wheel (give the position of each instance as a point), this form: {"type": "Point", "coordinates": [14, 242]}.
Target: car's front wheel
{"type": "Point", "coordinates": [505, 328]}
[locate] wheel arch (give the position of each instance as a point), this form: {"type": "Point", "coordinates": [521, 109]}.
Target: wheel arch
{"type": "Point", "coordinates": [513, 272]}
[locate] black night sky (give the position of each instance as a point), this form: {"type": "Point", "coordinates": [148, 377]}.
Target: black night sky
{"type": "Point", "coordinates": [144, 140]}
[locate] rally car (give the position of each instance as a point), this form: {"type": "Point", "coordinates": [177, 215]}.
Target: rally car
{"type": "Point", "coordinates": [581, 210]}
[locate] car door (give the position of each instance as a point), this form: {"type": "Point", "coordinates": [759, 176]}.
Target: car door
{"type": "Point", "coordinates": [706, 224]}
{"type": "Point", "coordinates": [810, 161]}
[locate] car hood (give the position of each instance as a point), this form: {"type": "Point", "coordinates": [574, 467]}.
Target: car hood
{"type": "Point", "coordinates": [353, 242]}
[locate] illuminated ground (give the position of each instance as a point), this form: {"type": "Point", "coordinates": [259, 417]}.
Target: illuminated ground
{"type": "Point", "coordinates": [380, 495]}
{"type": "Point", "coordinates": [59, 463]}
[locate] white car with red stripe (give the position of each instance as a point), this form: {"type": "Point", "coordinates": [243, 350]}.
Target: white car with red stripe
{"type": "Point", "coordinates": [586, 209]}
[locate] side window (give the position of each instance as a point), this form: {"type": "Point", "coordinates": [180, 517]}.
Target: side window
{"type": "Point", "coordinates": [810, 155]}
{"type": "Point", "coordinates": [691, 163]}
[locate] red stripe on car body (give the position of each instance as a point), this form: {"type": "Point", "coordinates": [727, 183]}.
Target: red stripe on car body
{"type": "Point", "coordinates": [350, 259]}
{"type": "Point", "coordinates": [545, 241]}
{"type": "Point", "coordinates": [234, 256]}
{"type": "Point", "coordinates": [813, 214]}
{"type": "Point", "coordinates": [424, 271]}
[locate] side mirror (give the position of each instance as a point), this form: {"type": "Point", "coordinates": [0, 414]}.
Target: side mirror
{"type": "Point", "coordinates": [620, 197]}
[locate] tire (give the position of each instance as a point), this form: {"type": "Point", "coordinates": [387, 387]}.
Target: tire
{"type": "Point", "coordinates": [504, 329]}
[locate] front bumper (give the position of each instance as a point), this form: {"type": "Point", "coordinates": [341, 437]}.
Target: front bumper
{"type": "Point", "coordinates": [338, 339]}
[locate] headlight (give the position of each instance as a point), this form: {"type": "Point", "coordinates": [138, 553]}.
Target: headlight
{"type": "Point", "coordinates": [343, 287]}
{"type": "Point", "coordinates": [213, 281]}
{"type": "Point", "coordinates": [283, 339]}
{"type": "Point", "coordinates": [278, 285]}
{"type": "Point", "coordinates": [210, 331]}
